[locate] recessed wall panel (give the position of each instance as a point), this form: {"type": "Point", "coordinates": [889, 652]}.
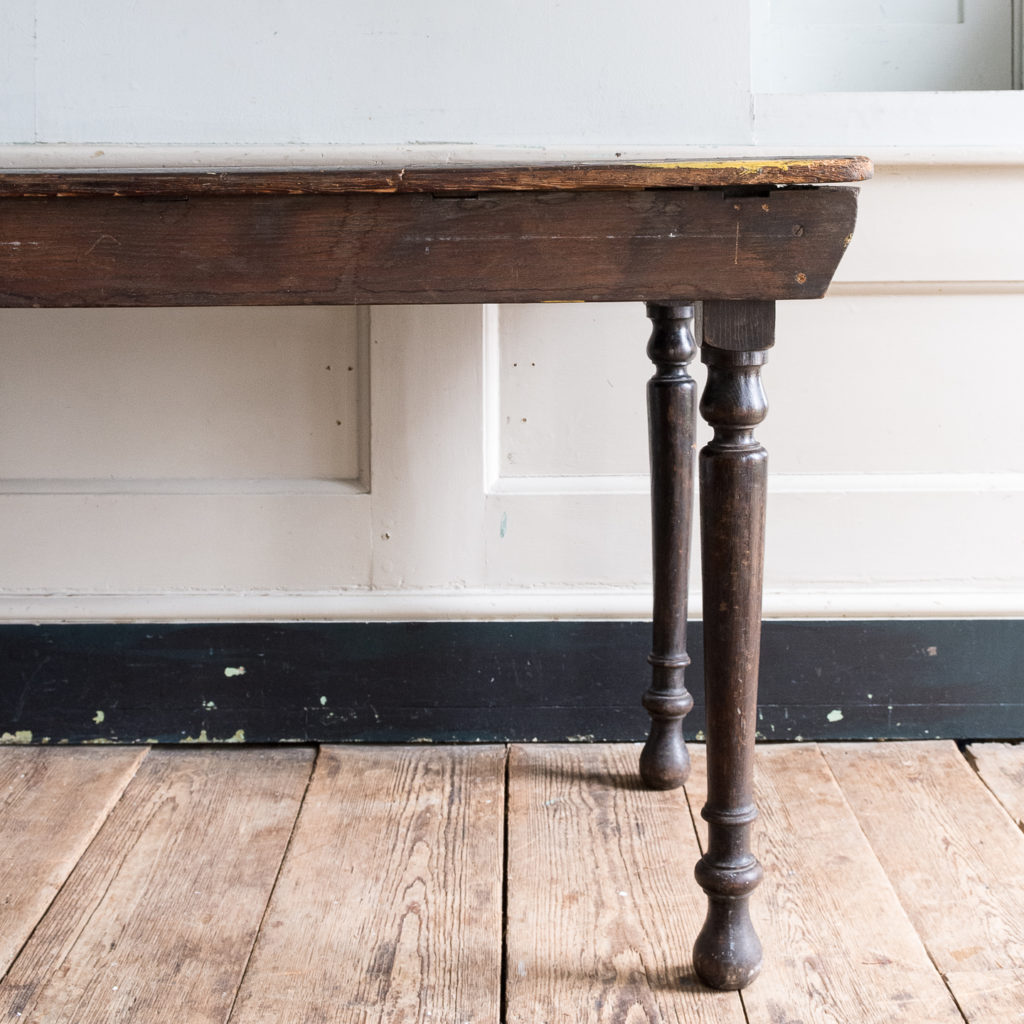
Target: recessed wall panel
{"type": "Point", "coordinates": [186, 394]}
{"type": "Point", "coordinates": [572, 389]}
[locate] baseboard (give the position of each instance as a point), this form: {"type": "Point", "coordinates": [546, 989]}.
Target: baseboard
{"type": "Point", "coordinates": [490, 681]}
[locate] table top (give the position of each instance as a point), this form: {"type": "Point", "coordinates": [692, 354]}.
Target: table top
{"type": "Point", "coordinates": [580, 177]}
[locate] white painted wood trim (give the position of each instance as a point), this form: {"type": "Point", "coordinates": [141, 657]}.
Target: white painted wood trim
{"type": "Point", "coordinates": [778, 483]}
{"type": "Point", "coordinates": [478, 605]}
{"type": "Point", "coordinates": [118, 486]}
{"type": "Point", "coordinates": [1018, 44]}
{"type": "Point", "coordinates": [44, 156]}
{"type": "Point", "coordinates": [926, 288]}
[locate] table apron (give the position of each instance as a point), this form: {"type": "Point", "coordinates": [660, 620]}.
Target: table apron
{"type": "Point", "coordinates": [659, 245]}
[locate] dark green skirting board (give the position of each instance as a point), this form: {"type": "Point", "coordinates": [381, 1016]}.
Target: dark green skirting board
{"type": "Point", "coordinates": [491, 681]}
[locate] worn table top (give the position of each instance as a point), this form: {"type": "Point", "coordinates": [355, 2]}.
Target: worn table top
{"type": "Point", "coordinates": [437, 180]}
{"type": "Point", "coordinates": [595, 232]}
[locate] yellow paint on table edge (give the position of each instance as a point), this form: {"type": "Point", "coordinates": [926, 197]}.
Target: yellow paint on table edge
{"type": "Point", "coordinates": [748, 166]}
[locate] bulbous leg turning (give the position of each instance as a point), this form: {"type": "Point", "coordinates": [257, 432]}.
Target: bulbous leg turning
{"type": "Point", "coordinates": [733, 485]}
{"type": "Point", "coordinates": [727, 953]}
{"type": "Point", "coordinates": [664, 760]}
{"type": "Point", "coordinates": [671, 407]}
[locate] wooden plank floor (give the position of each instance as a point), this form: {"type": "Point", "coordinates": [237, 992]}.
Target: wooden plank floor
{"type": "Point", "coordinates": [536, 884]}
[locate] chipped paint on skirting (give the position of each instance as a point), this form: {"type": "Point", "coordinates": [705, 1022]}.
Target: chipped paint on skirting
{"type": "Point", "coordinates": [238, 737]}
{"type": "Point", "coordinates": [20, 736]}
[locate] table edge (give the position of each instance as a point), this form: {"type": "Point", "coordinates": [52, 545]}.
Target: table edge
{"type": "Point", "coordinates": [434, 179]}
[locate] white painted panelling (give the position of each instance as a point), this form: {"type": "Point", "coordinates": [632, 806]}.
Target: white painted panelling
{"type": "Point", "coordinates": [897, 384]}
{"type": "Point", "coordinates": [190, 488]}
{"type": "Point", "coordinates": [948, 223]}
{"type": "Point", "coordinates": [893, 549]}
{"type": "Point", "coordinates": [154, 543]}
{"type": "Point", "coordinates": [427, 461]}
{"type": "Point", "coordinates": [506, 72]}
{"type": "Point", "coordinates": [212, 394]}
{"type": "Point", "coordinates": [840, 122]}
{"type": "Point", "coordinates": [849, 390]}
{"type": "Point", "coordinates": [899, 539]}
{"type": "Point", "coordinates": [584, 540]}
{"type": "Point", "coordinates": [881, 45]}
{"type": "Point", "coordinates": [549, 353]}
{"type": "Point", "coordinates": [17, 70]}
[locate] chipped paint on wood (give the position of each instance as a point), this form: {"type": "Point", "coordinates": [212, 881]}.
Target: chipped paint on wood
{"type": "Point", "coordinates": [878, 674]}
{"type": "Point", "coordinates": [21, 736]}
{"type": "Point", "coordinates": [237, 737]}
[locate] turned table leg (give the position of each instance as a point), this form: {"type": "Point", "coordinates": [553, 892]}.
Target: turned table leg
{"type": "Point", "coordinates": [671, 401]}
{"type": "Point", "coordinates": [733, 478]}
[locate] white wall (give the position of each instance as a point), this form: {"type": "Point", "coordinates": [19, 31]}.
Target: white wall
{"type": "Point", "coordinates": [468, 461]}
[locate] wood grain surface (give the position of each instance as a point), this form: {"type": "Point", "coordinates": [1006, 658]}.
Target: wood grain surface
{"type": "Point", "coordinates": [203, 897]}
{"type": "Point", "coordinates": [157, 921]}
{"type": "Point", "coordinates": [389, 905]}
{"type": "Point", "coordinates": [989, 997]}
{"type": "Point", "coordinates": [943, 840]}
{"type": "Point", "coordinates": [1001, 767]}
{"type": "Point", "coordinates": [838, 946]}
{"type": "Point", "coordinates": [439, 180]}
{"type": "Point", "coordinates": [668, 245]}
{"type": "Point", "coordinates": [52, 804]}
{"type": "Point", "coordinates": [602, 907]}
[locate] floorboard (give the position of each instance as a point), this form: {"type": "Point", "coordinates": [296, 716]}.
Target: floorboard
{"type": "Point", "coordinates": [389, 905]}
{"type": "Point", "coordinates": [157, 920]}
{"type": "Point", "coordinates": [950, 850]}
{"type": "Point", "coordinates": [478, 885]}
{"type": "Point", "coordinates": [1001, 768]}
{"type": "Point", "coordinates": [955, 857]}
{"type": "Point", "coordinates": [838, 946]}
{"type": "Point", "coordinates": [990, 997]}
{"type": "Point", "coordinates": [52, 804]}
{"type": "Point", "coordinates": [602, 907]}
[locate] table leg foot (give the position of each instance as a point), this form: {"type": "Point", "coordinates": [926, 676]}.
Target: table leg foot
{"type": "Point", "coordinates": [733, 486]}
{"type": "Point", "coordinates": [727, 953]}
{"type": "Point", "coordinates": [664, 760]}
{"type": "Point", "coordinates": [671, 406]}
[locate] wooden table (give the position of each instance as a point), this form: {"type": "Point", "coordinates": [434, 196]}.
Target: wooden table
{"type": "Point", "coordinates": [734, 235]}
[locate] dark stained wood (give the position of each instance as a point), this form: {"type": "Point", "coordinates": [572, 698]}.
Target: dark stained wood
{"type": "Point", "coordinates": [733, 484]}
{"type": "Point", "coordinates": [517, 247]}
{"type": "Point", "coordinates": [438, 180]}
{"type": "Point", "coordinates": [397, 681]}
{"type": "Point", "coordinates": [672, 409]}
{"type": "Point", "coordinates": [713, 231]}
